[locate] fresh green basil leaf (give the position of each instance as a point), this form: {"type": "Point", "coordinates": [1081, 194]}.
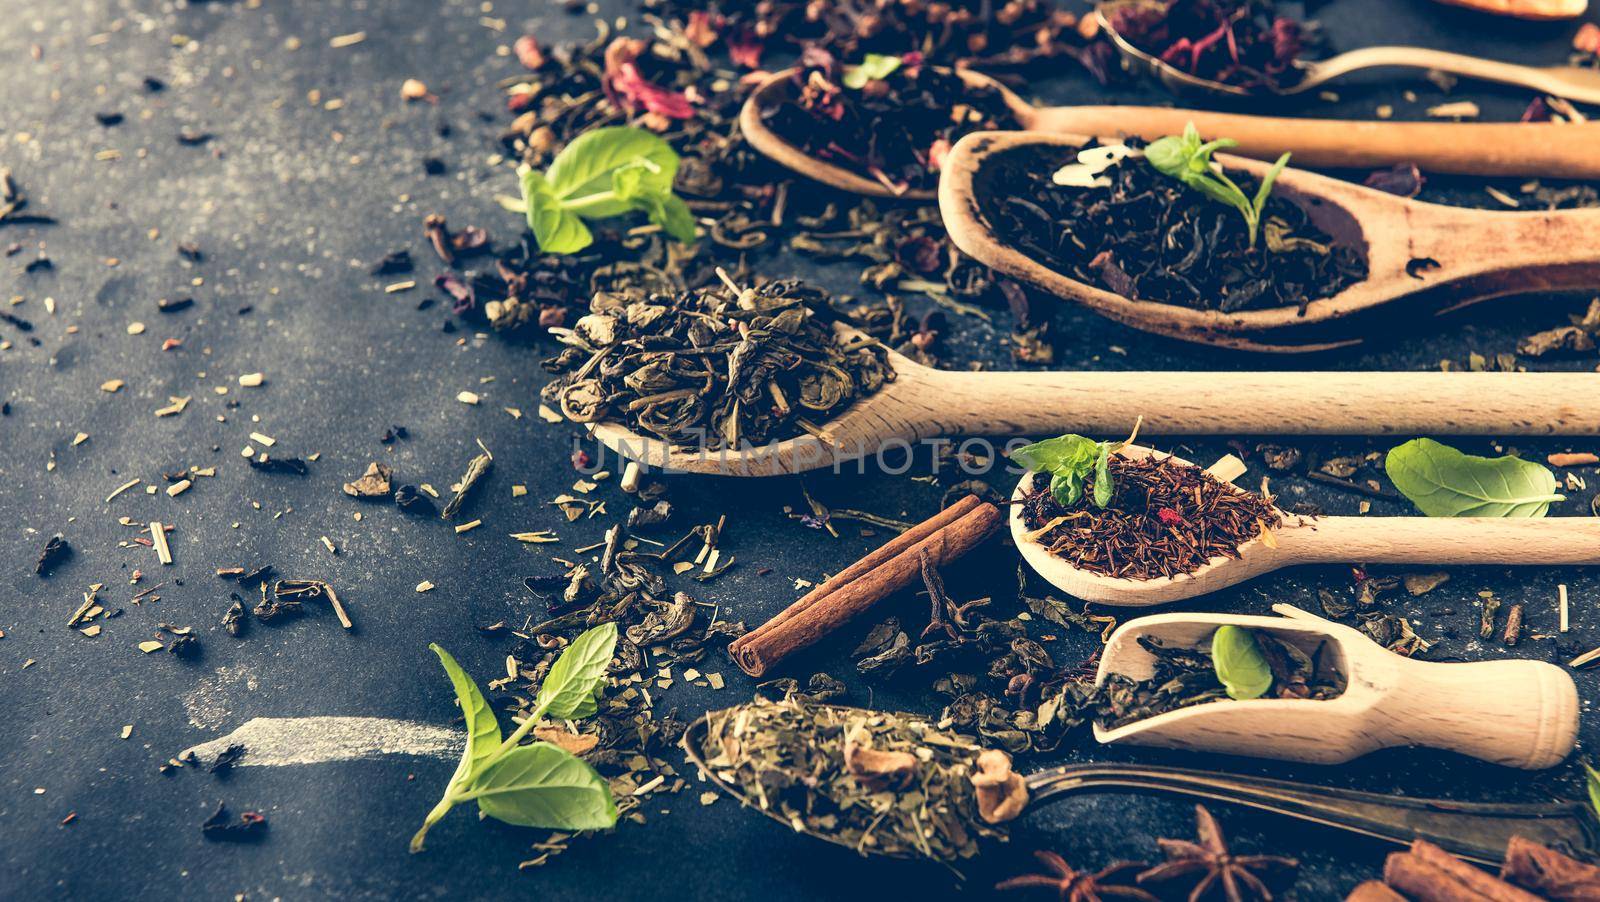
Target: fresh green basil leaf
{"type": "Point", "coordinates": [577, 677]}
{"type": "Point", "coordinates": [557, 230]}
{"type": "Point", "coordinates": [1167, 155]}
{"type": "Point", "coordinates": [1267, 180]}
{"type": "Point", "coordinates": [674, 218]}
{"type": "Point", "coordinates": [1444, 482]}
{"type": "Point", "coordinates": [1240, 665]}
{"type": "Point", "coordinates": [543, 785]}
{"type": "Point", "coordinates": [584, 167]}
{"type": "Point", "coordinates": [1067, 486]}
{"type": "Point", "coordinates": [1592, 779]}
{"type": "Point", "coordinates": [483, 728]}
{"type": "Point", "coordinates": [874, 67]}
{"type": "Point", "coordinates": [1055, 454]}
{"type": "Point", "coordinates": [1102, 476]}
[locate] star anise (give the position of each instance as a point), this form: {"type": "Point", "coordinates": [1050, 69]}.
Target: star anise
{"type": "Point", "coordinates": [1081, 886]}
{"type": "Point", "coordinates": [1216, 873]}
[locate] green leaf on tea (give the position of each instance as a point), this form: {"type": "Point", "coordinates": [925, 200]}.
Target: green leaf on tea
{"type": "Point", "coordinates": [604, 172]}
{"type": "Point", "coordinates": [483, 728]}
{"type": "Point", "coordinates": [1444, 482]}
{"type": "Point", "coordinates": [875, 67]}
{"type": "Point", "coordinates": [543, 785]}
{"type": "Point", "coordinates": [1102, 476]}
{"type": "Point", "coordinates": [576, 679]}
{"type": "Point", "coordinates": [1592, 780]}
{"type": "Point", "coordinates": [557, 230]}
{"type": "Point", "coordinates": [1188, 159]}
{"type": "Point", "coordinates": [584, 168]}
{"type": "Point", "coordinates": [1240, 665]}
{"type": "Point", "coordinates": [1070, 460]}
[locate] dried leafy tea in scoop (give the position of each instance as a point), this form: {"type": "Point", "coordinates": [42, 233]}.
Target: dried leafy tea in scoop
{"type": "Point", "coordinates": [1161, 518]}
{"type": "Point", "coordinates": [1123, 225]}
{"type": "Point", "coordinates": [1238, 42]}
{"type": "Point", "coordinates": [714, 369]}
{"type": "Point", "coordinates": [889, 117]}
{"type": "Point", "coordinates": [1241, 664]}
{"type": "Point", "coordinates": [876, 781]}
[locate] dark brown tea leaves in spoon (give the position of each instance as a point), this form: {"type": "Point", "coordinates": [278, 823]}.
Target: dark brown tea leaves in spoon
{"type": "Point", "coordinates": [890, 118]}
{"type": "Point", "coordinates": [1184, 677]}
{"type": "Point", "coordinates": [1165, 518]}
{"type": "Point", "coordinates": [715, 369]}
{"type": "Point", "coordinates": [1246, 43]}
{"type": "Point", "coordinates": [876, 781]}
{"type": "Point", "coordinates": [1145, 236]}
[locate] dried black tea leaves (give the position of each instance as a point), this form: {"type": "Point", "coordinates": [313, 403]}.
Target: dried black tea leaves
{"type": "Point", "coordinates": [880, 782]}
{"type": "Point", "coordinates": [250, 826]}
{"type": "Point", "coordinates": [715, 368]}
{"type": "Point", "coordinates": [233, 618]}
{"type": "Point", "coordinates": [292, 466]}
{"type": "Point", "coordinates": [1165, 518]}
{"type": "Point", "coordinates": [54, 552]}
{"type": "Point", "coordinates": [1140, 234]}
{"type": "Point", "coordinates": [1239, 42]}
{"type": "Point", "coordinates": [410, 499]}
{"type": "Point", "coordinates": [476, 468]}
{"type": "Point", "coordinates": [890, 118]}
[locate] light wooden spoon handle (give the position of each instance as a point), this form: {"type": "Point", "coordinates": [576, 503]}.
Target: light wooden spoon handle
{"type": "Point", "coordinates": [1267, 403]}
{"type": "Point", "coordinates": [1443, 541]}
{"type": "Point", "coordinates": [1515, 713]}
{"type": "Point", "coordinates": [1555, 150]}
{"type": "Point", "coordinates": [1571, 82]}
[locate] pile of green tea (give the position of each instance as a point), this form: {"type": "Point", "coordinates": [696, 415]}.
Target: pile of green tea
{"type": "Point", "coordinates": [1161, 518]}
{"type": "Point", "coordinates": [1240, 664]}
{"type": "Point", "coordinates": [887, 117]}
{"type": "Point", "coordinates": [876, 781]}
{"type": "Point", "coordinates": [1141, 234]}
{"type": "Point", "coordinates": [713, 369]}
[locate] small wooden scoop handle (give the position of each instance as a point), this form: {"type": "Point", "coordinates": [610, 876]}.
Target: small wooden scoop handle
{"type": "Point", "coordinates": [1265, 403]}
{"type": "Point", "coordinates": [1555, 150]}
{"type": "Point", "coordinates": [1443, 540]}
{"type": "Point", "coordinates": [1572, 82]}
{"type": "Point", "coordinates": [1515, 713]}
{"type": "Point", "coordinates": [1475, 831]}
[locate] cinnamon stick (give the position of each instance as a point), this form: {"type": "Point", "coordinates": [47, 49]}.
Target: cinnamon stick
{"type": "Point", "coordinates": [1428, 873]}
{"type": "Point", "coordinates": [944, 537]}
{"type": "Point", "coordinates": [1374, 891]}
{"type": "Point", "coordinates": [1550, 873]}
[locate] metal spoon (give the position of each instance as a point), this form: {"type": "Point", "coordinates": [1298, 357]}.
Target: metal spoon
{"type": "Point", "coordinates": [1475, 831]}
{"type": "Point", "coordinates": [1550, 149]}
{"type": "Point", "coordinates": [1575, 83]}
{"type": "Point", "coordinates": [1480, 254]}
{"type": "Point", "coordinates": [1304, 540]}
{"type": "Point", "coordinates": [1515, 713]}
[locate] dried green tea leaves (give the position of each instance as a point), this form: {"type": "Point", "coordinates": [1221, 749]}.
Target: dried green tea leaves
{"type": "Point", "coordinates": [714, 369]}
{"type": "Point", "coordinates": [879, 782]}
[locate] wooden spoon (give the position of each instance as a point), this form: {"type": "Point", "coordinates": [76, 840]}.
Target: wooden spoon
{"type": "Point", "coordinates": [1326, 540]}
{"type": "Point", "coordinates": [924, 403]}
{"type": "Point", "coordinates": [1480, 254]}
{"type": "Point", "coordinates": [1516, 713]}
{"type": "Point", "coordinates": [1575, 83]}
{"type": "Point", "coordinates": [1475, 831]}
{"type": "Point", "coordinates": [1548, 149]}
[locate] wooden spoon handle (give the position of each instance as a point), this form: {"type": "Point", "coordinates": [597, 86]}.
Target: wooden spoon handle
{"type": "Point", "coordinates": [1443, 540]}
{"type": "Point", "coordinates": [1556, 150]}
{"type": "Point", "coordinates": [1515, 713]}
{"type": "Point", "coordinates": [1283, 403]}
{"type": "Point", "coordinates": [1572, 82]}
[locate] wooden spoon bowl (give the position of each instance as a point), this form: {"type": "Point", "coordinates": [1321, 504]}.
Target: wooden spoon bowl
{"type": "Point", "coordinates": [1324, 540]}
{"type": "Point", "coordinates": [1515, 713]}
{"type": "Point", "coordinates": [1479, 254]}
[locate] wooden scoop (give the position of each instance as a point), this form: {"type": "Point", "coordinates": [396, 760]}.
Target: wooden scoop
{"type": "Point", "coordinates": [924, 403]}
{"type": "Point", "coordinates": [1475, 831]}
{"type": "Point", "coordinates": [1552, 150]}
{"type": "Point", "coordinates": [1480, 254]}
{"type": "Point", "coordinates": [1516, 713]}
{"type": "Point", "coordinates": [1325, 540]}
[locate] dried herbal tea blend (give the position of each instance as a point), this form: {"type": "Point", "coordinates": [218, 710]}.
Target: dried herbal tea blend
{"type": "Point", "coordinates": [713, 369]}
{"type": "Point", "coordinates": [1136, 232]}
{"type": "Point", "coordinates": [1164, 518]}
{"type": "Point", "coordinates": [1240, 664]}
{"type": "Point", "coordinates": [889, 117]}
{"type": "Point", "coordinates": [880, 782]}
{"type": "Point", "coordinates": [1238, 42]}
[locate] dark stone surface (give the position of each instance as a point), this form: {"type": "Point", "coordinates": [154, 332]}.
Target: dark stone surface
{"type": "Point", "coordinates": [291, 202]}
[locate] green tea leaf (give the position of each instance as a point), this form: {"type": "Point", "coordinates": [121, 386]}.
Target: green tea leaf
{"type": "Point", "coordinates": [1188, 160]}
{"type": "Point", "coordinates": [1444, 482]}
{"type": "Point", "coordinates": [874, 67]}
{"type": "Point", "coordinates": [557, 230]}
{"type": "Point", "coordinates": [483, 728]}
{"type": "Point", "coordinates": [1102, 476]}
{"type": "Point", "coordinates": [1240, 665]}
{"type": "Point", "coordinates": [584, 167]}
{"type": "Point", "coordinates": [1592, 779]}
{"type": "Point", "coordinates": [543, 785]}
{"type": "Point", "coordinates": [575, 680]}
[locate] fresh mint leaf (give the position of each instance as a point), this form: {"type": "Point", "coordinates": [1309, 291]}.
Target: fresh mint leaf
{"type": "Point", "coordinates": [604, 172]}
{"type": "Point", "coordinates": [543, 785]}
{"type": "Point", "coordinates": [874, 67]}
{"type": "Point", "coordinates": [1188, 159]}
{"type": "Point", "coordinates": [575, 680]}
{"type": "Point", "coordinates": [1444, 482]}
{"type": "Point", "coordinates": [1240, 665]}
{"type": "Point", "coordinates": [483, 742]}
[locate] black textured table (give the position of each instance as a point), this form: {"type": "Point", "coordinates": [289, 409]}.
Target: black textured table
{"type": "Point", "coordinates": [313, 171]}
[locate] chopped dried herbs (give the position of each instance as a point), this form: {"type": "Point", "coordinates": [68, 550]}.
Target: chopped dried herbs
{"type": "Point", "coordinates": [56, 549]}
{"type": "Point", "coordinates": [250, 827]}
{"type": "Point", "coordinates": [1140, 234]}
{"type": "Point", "coordinates": [1247, 43]}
